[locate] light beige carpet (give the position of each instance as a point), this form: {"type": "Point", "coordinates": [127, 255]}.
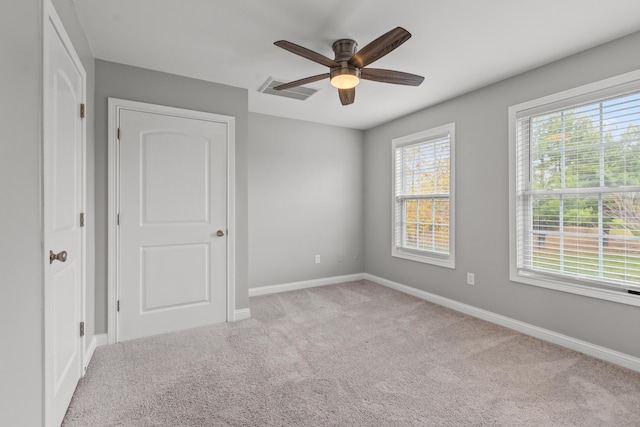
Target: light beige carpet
{"type": "Point", "coordinates": [355, 354]}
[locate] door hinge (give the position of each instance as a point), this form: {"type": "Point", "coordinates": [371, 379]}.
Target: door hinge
{"type": "Point", "coordinates": [82, 219]}
{"type": "Point", "coordinates": [118, 134]}
{"type": "Point", "coordinates": [82, 111]}
{"type": "Point", "coordinates": [81, 329]}
{"type": "Point", "coordinates": [118, 305]}
{"type": "Point", "coordinates": [118, 219]}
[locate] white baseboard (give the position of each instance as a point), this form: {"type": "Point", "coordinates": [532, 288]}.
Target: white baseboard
{"type": "Point", "coordinates": [88, 354]}
{"type": "Point", "coordinates": [102, 339]}
{"type": "Point", "coordinates": [242, 314]}
{"type": "Point", "coordinates": [96, 341]}
{"type": "Point", "coordinates": [593, 350]}
{"type": "Point", "coordinates": [273, 289]}
{"type": "Point", "coordinates": [587, 348]}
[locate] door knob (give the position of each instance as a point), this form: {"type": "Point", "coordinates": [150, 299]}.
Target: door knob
{"type": "Point", "coordinates": [61, 256]}
{"type": "Point", "coordinates": [220, 233]}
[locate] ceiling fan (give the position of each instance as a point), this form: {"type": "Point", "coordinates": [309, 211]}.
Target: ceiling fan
{"type": "Point", "coordinates": [348, 67]}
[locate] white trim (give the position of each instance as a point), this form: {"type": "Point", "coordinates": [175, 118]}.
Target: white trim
{"type": "Point", "coordinates": [587, 348]}
{"type": "Point", "coordinates": [112, 213]}
{"type": "Point", "coordinates": [102, 340]}
{"type": "Point", "coordinates": [574, 95]}
{"type": "Point", "coordinates": [96, 341]}
{"type": "Point", "coordinates": [620, 296]}
{"type": "Point", "coordinates": [231, 217]}
{"type": "Point", "coordinates": [427, 257]}
{"type": "Point", "coordinates": [89, 353]}
{"type": "Point", "coordinates": [114, 107]}
{"type": "Point", "coordinates": [579, 91]}
{"type": "Point", "coordinates": [294, 286]}
{"type": "Point", "coordinates": [241, 314]}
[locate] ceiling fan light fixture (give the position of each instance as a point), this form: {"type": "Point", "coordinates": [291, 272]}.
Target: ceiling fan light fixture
{"type": "Point", "coordinates": [345, 70]}
{"type": "Point", "coordinates": [345, 78]}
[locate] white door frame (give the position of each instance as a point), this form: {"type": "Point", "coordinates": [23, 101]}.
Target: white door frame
{"type": "Point", "coordinates": [50, 17]}
{"type": "Point", "coordinates": [115, 106]}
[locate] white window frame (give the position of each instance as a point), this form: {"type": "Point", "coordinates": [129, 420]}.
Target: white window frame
{"type": "Point", "coordinates": [428, 257]}
{"type": "Point", "coordinates": [583, 94]}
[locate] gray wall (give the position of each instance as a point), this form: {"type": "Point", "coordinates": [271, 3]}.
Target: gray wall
{"type": "Point", "coordinates": [305, 199]}
{"type": "Point", "coordinates": [21, 253]}
{"type": "Point", "coordinates": [482, 231]}
{"type": "Point", "coordinates": [138, 84]}
{"type": "Point", "coordinates": [20, 210]}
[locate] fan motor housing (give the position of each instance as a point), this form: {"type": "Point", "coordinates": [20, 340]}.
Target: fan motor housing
{"type": "Point", "coordinates": [344, 49]}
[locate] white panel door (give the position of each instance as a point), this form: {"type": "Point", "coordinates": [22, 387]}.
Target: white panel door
{"type": "Point", "coordinates": [172, 223]}
{"type": "Point", "coordinates": [63, 164]}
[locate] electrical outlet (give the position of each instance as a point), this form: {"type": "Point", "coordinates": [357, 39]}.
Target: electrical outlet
{"type": "Point", "coordinates": [471, 279]}
{"type": "Point", "coordinates": [317, 259]}
{"type": "Point", "coordinates": [340, 257]}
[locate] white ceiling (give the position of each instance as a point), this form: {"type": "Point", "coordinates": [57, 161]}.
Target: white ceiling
{"type": "Point", "coordinates": [458, 45]}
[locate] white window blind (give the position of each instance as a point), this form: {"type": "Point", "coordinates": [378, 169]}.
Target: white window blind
{"type": "Point", "coordinates": [423, 196]}
{"type": "Point", "coordinates": [578, 189]}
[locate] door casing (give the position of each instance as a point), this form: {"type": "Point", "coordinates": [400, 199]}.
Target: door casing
{"type": "Point", "coordinates": [115, 105]}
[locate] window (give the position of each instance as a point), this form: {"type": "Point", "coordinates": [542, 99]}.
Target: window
{"type": "Point", "coordinates": [423, 196]}
{"type": "Point", "coordinates": [575, 190]}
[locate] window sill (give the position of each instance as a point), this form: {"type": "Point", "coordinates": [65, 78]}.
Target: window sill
{"type": "Point", "coordinates": [445, 261]}
{"type": "Point", "coordinates": [620, 296]}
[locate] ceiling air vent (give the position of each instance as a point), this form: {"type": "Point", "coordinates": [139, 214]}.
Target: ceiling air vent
{"type": "Point", "coordinates": [298, 92]}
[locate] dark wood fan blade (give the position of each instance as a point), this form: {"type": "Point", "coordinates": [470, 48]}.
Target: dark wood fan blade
{"type": "Point", "coordinates": [380, 47]}
{"type": "Point", "coordinates": [302, 81]}
{"type": "Point", "coordinates": [306, 53]}
{"type": "Point", "coordinates": [347, 96]}
{"type": "Point", "coordinates": [390, 76]}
